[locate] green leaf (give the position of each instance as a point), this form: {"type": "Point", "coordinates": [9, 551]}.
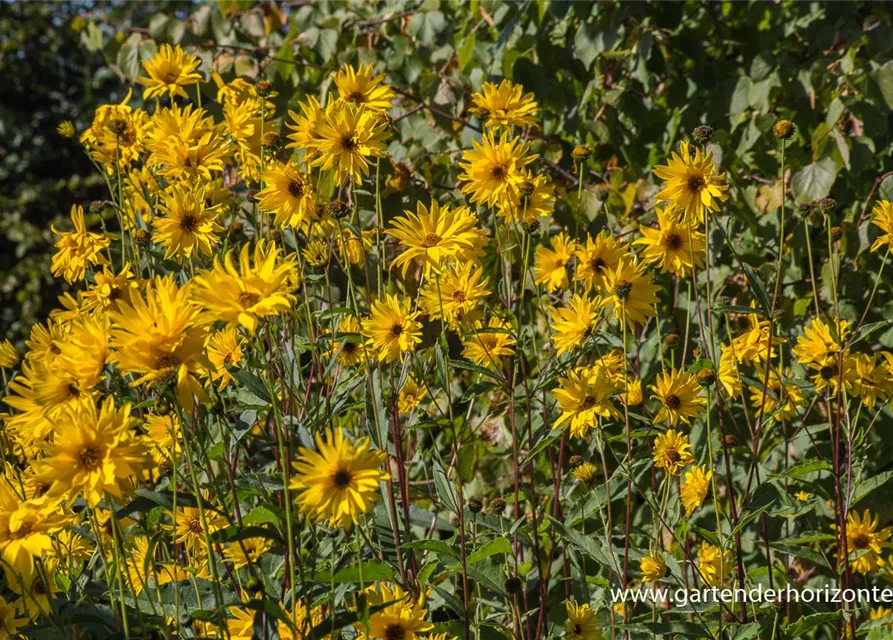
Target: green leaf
{"type": "Point", "coordinates": [493, 547]}
{"type": "Point", "coordinates": [446, 492]}
{"type": "Point", "coordinates": [128, 59]}
{"type": "Point", "coordinates": [372, 571]}
{"type": "Point", "coordinates": [253, 383]}
{"type": "Point", "coordinates": [803, 468]}
{"type": "Point", "coordinates": [466, 51]}
{"type": "Point", "coordinates": [814, 181]}
{"type": "Point", "coordinates": [804, 624]}
{"type": "Point", "coordinates": [759, 289]}
{"type": "Point", "coordinates": [870, 484]}
{"type": "Point", "coordinates": [586, 544]}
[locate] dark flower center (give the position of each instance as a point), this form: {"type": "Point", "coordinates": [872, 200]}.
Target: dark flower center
{"type": "Point", "coordinates": [597, 264]}
{"type": "Point", "coordinates": [861, 541]}
{"type": "Point", "coordinates": [349, 348]}
{"type": "Point", "coordinates": [189, 223]}
{"type": "Point", "coordinates": [696, 183]}
{"type": "Point", "coordinates": [499, 172]}
{"type": "Point", "coordinates": [672, 241]}
{"type": "Point", "coordinates": [458, 296]}
{"type": "Point", "coordinates": [827, 372]}
{"type": "Point", "coordinates": [90, 458]}
{"type": "Point", "coordinates": [396, 330]}
{"type": "Point", "coordinates": [348, 143]}
{"type": "Point", "coordinates": [672, 401]}
{"type": "Point", "coordinates": [357, 96]}
{"type": "Point", "coordinates": [248, 299]}
{"type": "Point", "coordinates": [195, 526]}
{"type": "Point", "coordinates": [394, 631]}
{"type": "Point", "coordinates": [674, 455]}
{"type": "Point", "coordinates": [623, 288]}
{"type": "Point", "coordinates": [588, 403]}
{"type": "Point", "coordinates": [431, 240]}
{"type": "Point", "coordinates": [295, 189]}
{"type": "Point", "coordinates": [342, 478]}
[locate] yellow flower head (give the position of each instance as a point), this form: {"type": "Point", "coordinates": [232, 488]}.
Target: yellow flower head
{"type": "Point", "coordinates": [188, 224]}
{"type": "Point", "coordinates": [289, 195]}
{"type": "Point", "coordinates": [260, 287]}
{"type": "Point", "coordinates": [392, 329]}
{"type": "Point", "coordinates": [631, 294]}
{"type": "Point", "coordinates": [695, 487]}
{"type": "Point", "coordinates": [247, 551]}
{"type": "Point", "coordinates": [781, 399]}
{"type": "Point", "coordinates": [98, 453]}
{"type": "Point", "coordinates": [116, 136]}
{"type": "Point", "coordinates": [339, 480]}
{"type": "Point", "coordinates": [437, 235]}
{"type": "Point", "coordinates": [110, 288]}
{"type": "Point", "coordinates": [485, 347]}
{"type": "Point", "coordinates": [581, 623]}
{"type": "Point", "coordinates": [189, 529]}
{"type": "Point", "coordinates": [305, 134]}
{"type": "Point", "coordinates": [225, 349]}
{"type": "Point", "coordinates": [505, 105]}
{"type": "Point", "coordinates": [653, 567]}
{"type": "Point", "coordinates": [671, 452]}
{"type": "Point", "coordinates": [348, 349]}
{"type": "Point", "coordinates": [679, 393]}
{"type": "Point", "coordinates": [674, 246]}
{"type": "Point", "coordinates": [79, 249]}
{"type": "Point", "coordinates": [402, 620]}
{"type": "Point", "coordinates": [572, 325]}
{"type": "Point", "coordinates": [169, 71]}
{"type": "Point", "coordinates": [164, 434]}
{"type": "Point", "coordinates": [597, 258]}
{"type": "Point", "coordinates": [535, 199]}
{"type": "Point", "coordinates": [362, 88]}
{"type": "Point", "coordinates": [8, 355]}
{"type": "Point", "coordinates": [817, 344]}
{"type": "Point", "coordinates": [882, 218]}
{"type": "Point", "coordinates": [692, 183]}
{"type": "Point", "coordinates": [494, 169]}
{"type": "Point", "coordinates": [584, 399]}
{"type": "Point", "coordinates": [728, 372]}
{"type": "Point", "coordinates": [160, 334]}
{"type": "Point", "coordinates": [455, 295]}
{"type": "Point", "coordinates": [862, 535]}
{"type": "Point", "coordinates": [348, 138]}
{"type": "Point", "coordinates": [550, 265]}
{"type": "Point", "coordinates": [714, 566]}
{"type": "Point", "coordinates": [25, 527]}
{"type": "Point", "coordinates": [585, 474]}
{"type": "Point", "coordinates": [411, 396]}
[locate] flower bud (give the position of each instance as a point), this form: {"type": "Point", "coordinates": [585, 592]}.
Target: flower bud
{"type": "Point", "coordinates": [475, 505]}
{"type": "Point", "coordinates": [672, 339]}
{"type": "Point", "coordinates": [706, 378]}
{"type": "Point", "coordinates": [271, 140]}
{"type": "Point", "coordinates": [836, 233]}
{"type": "Point", "coordinates": [784, 129]}
{"type": "Point", "coordinates": [263, 88]}
{"type": "Point", "coordinates": [581, 152]}
{"type": "Point", "coordinates": [702, 134]}
{"type": "Point", "coordinates": [513, 585]}
{"type": "Point", "coordinates": [143, 237]}
{"type": "Point", "coordinates": [575, 461]}
{"type": "Point", "coordinates": [497, 506]}
{"type": "Point", "coordinates": [337, 209]}
{"type": "Point", "coordinates": [623, 288]}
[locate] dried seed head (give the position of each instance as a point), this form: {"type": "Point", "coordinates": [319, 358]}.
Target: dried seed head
{"type": "Point", "coordinates": [702, 134]}
{"type": "Point", "coordinates": [475, 505]}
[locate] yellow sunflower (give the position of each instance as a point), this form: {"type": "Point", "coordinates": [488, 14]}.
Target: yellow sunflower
{"type": "Point", "coordinates": [169, 71]}
{"type": "Point", "coordinates": [188, 224]}
{"type": "Point", "coordinates": [454, 295]}
{"type": "Point", "coordinates": [288, 195]}
{"type": "Point", "coordinates": [694, 488]}
{"type": "Point", "coordinates": [572, 325]}
{"type": "Point", "coordinates": [714, 565]}
{"type": "Point", "coordinates": [404, 619]}
{"type": "Point", "coordinates": [882, 218]}
{"type": "Point", "coordinates": [505, 105]}
{"type": "Point", "coordinates": [339, 480]}
{"type": "Point", "coordinates": [671, 452]}
{"type": "Point", "coordinates": [674, 246]}
{"type": "Point", "coordinates": [692, 183]}
{"type": "Point", "coordinates": [392, 329]}
{"type": "Point", "coordinates": [581, 623]}
{"type": "Point", "coordinates": [653, 567]}
{"type": "Point", "coordinates": [679, 393]}
{"type": "Point", "coordinates": [78, 250]}
{"type": "Point", "coordinates": [485, 347]}
{"type": "Point", "coordinates": [363, 88]}
{"type": "Point", "coordinates": [631, 294]}
{"type": "Point", "coordinates": [584, 399]}
{"type": "Point", "coordinates": [348, 138]}
{"type": "Point", "coordinates": [494, 169]}
{"type": "Point", "coordinates": [550, 265]}
{"type": "Point", "coordinates": [260, 287]}
{"type": "Point", "coordinates": [864, 538]}
{"type": "Point", "coordinates": [817, 344]}
{"type": "Point", "coordinates": [598, 257]}
{"type": "Point", "coordinates": [224, 349]}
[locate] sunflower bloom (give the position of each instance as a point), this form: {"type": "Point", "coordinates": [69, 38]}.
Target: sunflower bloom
{"type": "Point", "coordinates": [679, 393]}
{"type": "Point", "coordinates": [674, 246]}
{"type": "Point", "coordinates": [494, 169]}
{"type": "Point", "coordinates": [161, 335]}
{"type": "Point", "coordinates": [694, 488]}
{"type": "Point", "coordinates": [363, 88]}
{"type": "Point", "coordinates": [572, 325]}
{"type": "Point", "coordinates": [169, 71]}
{"type": "Point", "coordinates": [584, 400]}
{"type": "Point", "coordinates": [671, 452]}
{"type": "Point", "coordinates": [9, 357]}
{"type": "Point", "coordinates": [486, 348]}
{"type": "Point", "coordinates": [631, 294]}
{"type": "Point", "coordinates": [597, 258]}
{"type": "Point", "coordinates": [25, 527]}
{"type": "Point", "coordinates": [339, 480]}
{"type": "Point", "coordinates": [96, 454]}
{"type": "Point", "coordinates": [435, 235]}
{"type": "Point", "coordinates": [78, 249]}
{"type": "Point", "coordinates": [349, 137]}
{"type": "Point", "coordinates": [188, 224]}
{"type": "Point", "coordinates": [653, 567]}
{"type": "Point", "coordinates": [348, 349]}
{"type": "Point", "coordinates": [581, 622]}
{"type": "Point", "coordinates": [288, 195]}
{"type": "Point", "coordinates": [455, 295]}
{"type": "Point", "coordinates": [505, 105]}
{"type": "Point", "coordinates": [391, 330]}
{"type": "Point", "coordinates": [550, 265]}
{"type": "Point", "coordinates": [260, 287]}
{"type": "Point", "coordinates": [882, 218]}
{"type": "Point", "coordinates": [224, 349]}
{"type": "Point", "coordinates": [714, 565]}
{"type": "Point", "coordinates": [862, 535]}
{"type": "Point", "coordinates": [817, 344]}
{"type": "Point", "coordinates": [404, 619]}
{"type": "Point", "coordinates": [692, 183]}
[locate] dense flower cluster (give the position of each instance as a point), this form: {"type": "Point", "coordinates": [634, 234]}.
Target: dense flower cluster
{"type": "Point", "coordinates": [261, 355]}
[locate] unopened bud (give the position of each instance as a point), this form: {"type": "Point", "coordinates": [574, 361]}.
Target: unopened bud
{"type": "Point", "coordinates": [702, 134]}
{"type": "Point", "coordinates": [784, 129]}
